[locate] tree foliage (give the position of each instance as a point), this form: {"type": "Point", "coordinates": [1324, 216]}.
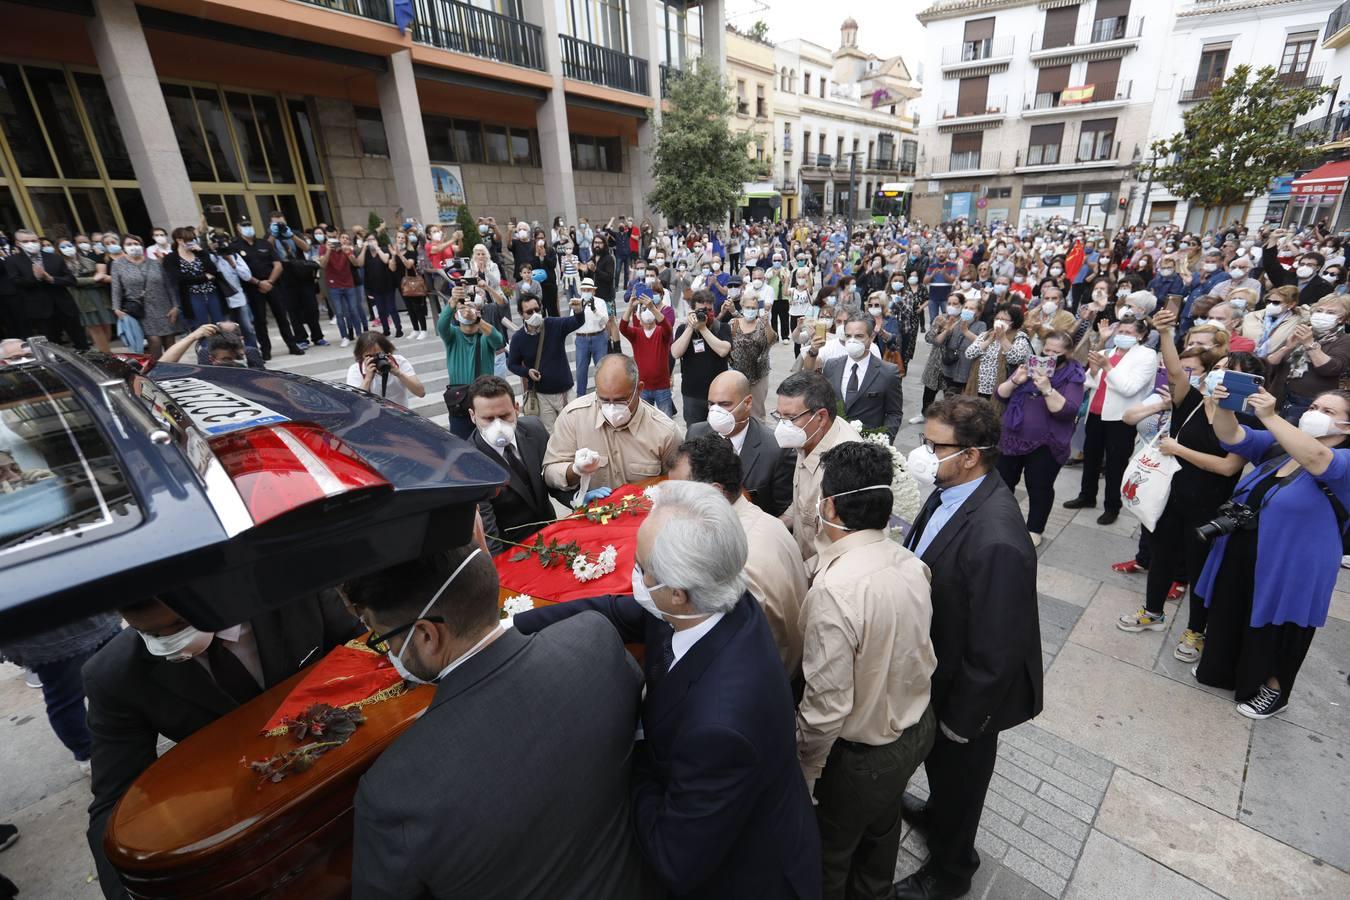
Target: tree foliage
{"type": "Point", "coordinates": [1236, 141]}
{"type": "Point", "coordinates": [467, 225]}
{"type": "Point", "coordinates": [760, 30]}
{"type": "Point", "coordinates": [699, 164]}
{"type": "Point", "coordinates": [373, 223]}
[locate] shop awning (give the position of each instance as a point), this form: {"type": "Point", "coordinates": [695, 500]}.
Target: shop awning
{"type": "Point", "coordinates": [1326, 180]}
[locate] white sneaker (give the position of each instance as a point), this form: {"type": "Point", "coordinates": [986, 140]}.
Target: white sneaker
{"type": "Point", "coordinates": [421, 335]}
{"type": "Point", "coordinates": [1345, 562]}
{"type": "Point", "coordinates": [916, 420]}
{"type": "Point", "coordinates": [345, 343]}
{"type": "Point", "coordinates": [86, 769]}
{"type": "Point", "coordinates": [1035, 539]}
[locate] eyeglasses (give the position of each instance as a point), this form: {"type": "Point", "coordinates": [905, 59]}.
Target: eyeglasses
{"type": "Point", "coordinates": [933, 445]}
{"type": "Point", "coordinates": [380, 642]}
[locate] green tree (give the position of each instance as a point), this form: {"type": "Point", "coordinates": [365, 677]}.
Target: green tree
{"type": "Point", "coordinates": [1235, 142]}
{"type": "Point", "coordinates": [699, 164]}
{"type": "Point", "coordinates": [760, 30]}
{"type": "Point", "coordinates": [373, 223]}
{"type": "Point", "coordinates": [467, 225]}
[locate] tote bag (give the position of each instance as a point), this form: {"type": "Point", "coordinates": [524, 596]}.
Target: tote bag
{"type": "Point", "coordinates": [1148, 479]}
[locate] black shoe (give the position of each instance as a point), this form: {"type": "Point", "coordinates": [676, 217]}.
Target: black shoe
{"type": "Point", "coordinates": [1076, 461]}
{"type": "Point", "coordinates": [266, 355]}
{"type": "Point", "coordinates": [1108, 516]}
{"type": "Point", "coordinates": [296, 351]}
{"type": "Point", "coordinates": [925, 885]}
{"type": "Point", "coordinates": [384, 331]}
{"type": "Point", "coordinates": [915, 812]}
{"type": "Point", "coordinates": [1080, 502]}
{"type": "Point", "coordinates": [8, 835]}
{"type": "Point", "coordinates": [397, 334]}
{"type": "Point", "coordinates": [1265, 704]}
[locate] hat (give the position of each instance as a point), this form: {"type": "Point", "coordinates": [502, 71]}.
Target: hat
{"type": "Point", "coordinates": [244, 220]}
{"type": "Point", "coordinates": [587, 283]}
{"type": "Point", "coordinates": [734, 281]}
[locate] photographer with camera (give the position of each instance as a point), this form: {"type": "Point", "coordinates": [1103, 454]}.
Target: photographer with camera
{"type": "Point", "coordinates": [1276, 548]}
{"type": "Point", "coordinates": [382, 371]}
{"type": "Point", "coordinates": [702, 345]}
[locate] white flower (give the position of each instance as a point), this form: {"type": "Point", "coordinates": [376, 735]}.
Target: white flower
{"type": "Point", "coordinates": [517, 604]}
{"type": "Point", "coordinates": [651, 493]}
{"type": "Point", "coordinates": [857, 424]}
{"type": "Point", "coordinates": [584, 569]}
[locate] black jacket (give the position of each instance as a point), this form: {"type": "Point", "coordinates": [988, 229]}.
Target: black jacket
{"type": "Point", "coordinates": [1316, 288]}
{"type": "Point", "coordinates": [180, 282]}
{"type": "Point", "coordinates": [766, 468]}
{"type": "Point", "coordinates": [40, 297]}
{"type": "Point", "coordinates": [604, 275]}
{"type": "Point", "coordinates": [986, 625]}
{"type": "Point", "coordinates": [520, 503]}
{"type": "Point", "coordinates": [877, 403]}
{"type": "Point", "coordinates": [135, 697]}
{"type": "Point", "coordinates": [719, 803]}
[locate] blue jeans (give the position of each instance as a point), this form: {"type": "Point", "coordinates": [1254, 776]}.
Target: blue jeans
{"type": "Point", "coordinates": [63, 694]}
{"type": "Point", "coordinates": [661, 400]}
{"type": "Point", "coordinates": [589, 347]}
{"type": "Point", "coordinates": [205, 309]}
{"type": "Point", "coordinates": [386, 304]}
{"type": "Point", "coordinates": [242, 317]}
{"type": "Point", "coordinates": [935, 305]}
{"type": "Point", "coordinates": [350, 310]}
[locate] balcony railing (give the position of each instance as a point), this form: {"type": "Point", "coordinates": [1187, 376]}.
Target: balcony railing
{"type": "Point", "coordinates": [584, 61]}
{"type": "Point", "coordinates": [742, 106]}
{"type": "Point", "coordinates": [366, 9]}
{"type": "Point", "coordinates": [1094, 150]}
{"type": "Point", "coordinates": [817, 160]}
{"type": "Point", "coordinates": [669, 74]}
{"type": "Point", "coordinates": [787, 145]}
{"type": "Point", "coordinates": [1338, 20]}
{"type": "Point", "coordinates": [461, 28]}
{"type": "Point", "coordinates": [1100, 32]}
{"type": "Point", "coordinates": [1084, 95]}
{"type": "Point", "coordinates": [970, 161]}
{"type": "Point", "coordinates": [881, 164]}
{"type": "Point", "coordinates": [1041, 155]}
{"type": "Point", "coordinates": [976, 51]}
{"type": "Point", "coordinates": [1298, 78]}
{"type": "Point", "coordinates": [989, 106]}
{"type": "Point", "coordinates": [908, 167]}
{"type": "Point", "coordinates": [1193, 91]}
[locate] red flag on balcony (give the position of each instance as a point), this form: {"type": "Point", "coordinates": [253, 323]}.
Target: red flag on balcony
{"type": "Point", "coordinates": [1074, 261]}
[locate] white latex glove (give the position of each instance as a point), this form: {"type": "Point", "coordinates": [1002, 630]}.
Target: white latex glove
{"type": "Point", "coordinates": [586, 461]}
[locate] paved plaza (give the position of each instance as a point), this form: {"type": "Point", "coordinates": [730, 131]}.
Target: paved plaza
{"type": "Point", "coordinates": [1135, 782]}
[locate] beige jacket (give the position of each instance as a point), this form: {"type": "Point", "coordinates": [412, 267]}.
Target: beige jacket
{"type": "Point", "coordinates": [776, 575]}
{"type": "Point", "coordinates": [644, 448]}
{"type": "Point", "coordinates": [806, 488]}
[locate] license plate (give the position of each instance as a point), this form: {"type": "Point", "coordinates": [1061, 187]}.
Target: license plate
{"type": "Point", "coordinates": [215, 410]}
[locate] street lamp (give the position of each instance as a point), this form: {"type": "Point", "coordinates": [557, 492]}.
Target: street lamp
{"type": "Point", "coordinates": [852, 185]}
{"type": "Point", "coordinates": [1148, 189]}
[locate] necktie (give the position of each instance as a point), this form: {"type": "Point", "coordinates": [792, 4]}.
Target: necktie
{"type": "Point", "coordinates": [929, 507]}
{"type": "Point", "coordinates": [852, 387]}
{"type": "Point", "coordinates": [517, 465]}
{"type": "Point", "coordinates": [233, 678]}
{"type": "Point", "coordinates": [666, 656]}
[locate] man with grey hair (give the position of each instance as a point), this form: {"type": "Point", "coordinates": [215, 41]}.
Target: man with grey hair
{"type": "Point", "coordinates": [42, 280]}
{"type": "Point", "coordinates": [869, 388]}
{"type": "Point", "coordinates": [1211, 275]}
{"type": "Point", "coordinates": [720, 806]}
{"type": "Point", "coordinates": [1239, 277]}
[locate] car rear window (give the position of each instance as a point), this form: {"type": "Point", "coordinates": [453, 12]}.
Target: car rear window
{"type": "Point", "coordinates": [60, 481]}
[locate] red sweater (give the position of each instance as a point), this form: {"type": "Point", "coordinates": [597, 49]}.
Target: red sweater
{"type": "Point", "coordinates": [652, 354]}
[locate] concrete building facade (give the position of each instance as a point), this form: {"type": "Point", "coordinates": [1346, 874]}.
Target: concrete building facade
{"type": "Point", "coordinates": [122, 114]}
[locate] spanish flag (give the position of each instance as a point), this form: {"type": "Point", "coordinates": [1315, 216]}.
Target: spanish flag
{"type": "Point", "coordinates": [1077, 94]}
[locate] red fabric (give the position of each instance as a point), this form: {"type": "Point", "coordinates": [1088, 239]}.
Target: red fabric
{"type": "Point", "coordinates": [652, 354]}
{"type": "Point", "coordinates": [345, 676]}
{"type": "Point", "coordinates": [437, 258]}
{"type": "Point", "coordinates": [1239, 344]}
{"type": "Point", "coordinates": [1074, 261]}
{"type": "Point", "coordinates": [557, 582]}
{"type": "Point", "coordinates": [338, 272]}
{"type": "Point", "coordinates": [1099, 395]}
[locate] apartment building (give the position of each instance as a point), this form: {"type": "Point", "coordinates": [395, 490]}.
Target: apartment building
{"type": "Point", "coordinates": [1206, 41]}
{"type": "Point", "coordinates": [1036, 109]}
{"type": "Point", "coordinates": [127, 113]}
{"type": "Point", "coordinates": [840, 108]}
{"type": "Point", "coordinates": [751, 75]}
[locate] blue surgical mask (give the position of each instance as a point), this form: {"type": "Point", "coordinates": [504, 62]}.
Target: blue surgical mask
{"type": "Point", "coordinates": [247, 231]}
{"type": "Point", "coordinates": [1126, 341]}
{"type": "Point", "coordinates": [967, 315]}
{"type": "Point", "coordinates": [1196, 381]}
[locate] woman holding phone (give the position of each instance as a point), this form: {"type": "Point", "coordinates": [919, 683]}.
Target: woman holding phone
{"type": "Point", "coordinates": [1289, 510]}
{"type": "Point", "coordinates": [1204, 481]}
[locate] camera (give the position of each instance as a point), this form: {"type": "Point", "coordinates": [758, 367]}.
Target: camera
{"type": "Point", "coordinates": [701, 315]}
{"type": "Point", "coordinates": [1231, 517]}
{"type": "Point", "coordinates": [382, 363]}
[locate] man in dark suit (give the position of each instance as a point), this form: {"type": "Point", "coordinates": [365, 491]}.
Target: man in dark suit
{"type": "Point", "coordinates": [986, 634]}
{"type": "Point", "coordinates": [41, 280]}
{"type": "Point", "coordinates": [514, 783]}
{"type": "Point", "coordinates": [766, 468]}
{"type": "Point", "coordinates": [516, 443]}
{"type": "Point", "coordinates": [161, 676]}
{"type": "Point", "coordinates": [1306, 275]}
{"type": "Point", "coordinates": [719, 802]}
{"type": "Point", "coordinates": [868, 386]}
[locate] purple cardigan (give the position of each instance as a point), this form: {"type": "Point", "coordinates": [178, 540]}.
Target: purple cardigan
{"type": "Point", "coordinates": [1298, 543]}
{"type": "Point", "coordinates": [1028, 422]}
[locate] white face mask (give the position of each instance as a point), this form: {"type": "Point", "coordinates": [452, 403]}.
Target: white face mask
{"type": "Point", "coordinates": [923, 464]}
{"type": "Point", "coordinates": [756, 284]}
{"type": "Point", "coordinates": [29, 246]}
{"type": "Point", "coordinates": [134, 250]}
{"type": "Point", "coordinates": [534, 319]}
{"type": "Point", "coordinates": [499, 433]}
{"type": "Point", "coordinates": [643, 595]}
{"type": "Point", "coordinates": [162, 240]}
{"type": "Point", "coordinates": [1316, 423]}
{"type": "Point", "coordinates": [874, 310]}
{"type": "Point", "coordinates": [1239, 303]}
{"type": "Point", "coordinates": [1237, 274]}
{"type": "Point", "coordinates": [1166, 273]}
{"type": "Point", "coordinates": [465, 318]}
{"type": "Point", "coordinates": [1305, 271]}
{"type": "Point", "coordinates": [721, 419]}
{"type": "Point", "coordinates": [616, 414]}
{"type": "Point", "coordinates": [179, 646]}
{"type": "Point", "coordinates": [1048, 307]}
{"type": "Point", "coordinates": [790, 435]}
{"type": "Point", "coordinates": [855, 348]}
{"type": "Point", "coordinates": [1323, 321]}
{"type": "Point", "coordinates": [647, 316]}
{"type": "Point", "coordinates": [397, 658]}
{"type": "Point", "coordinates": [1210, 267]}
{"type": "Point", "coordinates": [1056, 271]}
{"type": "Point", "coordinates": [913, 279]}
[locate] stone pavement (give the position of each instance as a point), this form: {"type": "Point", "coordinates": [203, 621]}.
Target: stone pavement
{"type": "Point", "coordinates": [1135, 782]}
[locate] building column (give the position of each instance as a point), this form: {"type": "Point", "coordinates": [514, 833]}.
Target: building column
{"type": "Point", "coordinates": [715, 33]}
{"type": "Point", "coordinates": [555, 139]}
{"type": "Point", "coordinates": [142, 115]}
{"type": "Point", "coordinates": [646, 27]}
{"type": "Point", "coordinates": [402, 114]}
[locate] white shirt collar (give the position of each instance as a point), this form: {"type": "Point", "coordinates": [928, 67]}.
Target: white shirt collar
{"type": "Point", "coordinates": [681, 641]}
{"type": "Point", "coordinates": [233, 633]}
{"type": "Point", "coordinates": [738, 440]}
{"type": "Point", "coordinates": [862, 368]}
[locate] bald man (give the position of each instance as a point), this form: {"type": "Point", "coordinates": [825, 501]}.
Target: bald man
{"type": "Point", "coordinates": [628, 440]}
{"type": "Point", "coordinates": [766, 468]}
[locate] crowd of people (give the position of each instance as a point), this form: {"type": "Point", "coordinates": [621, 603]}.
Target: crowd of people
{"type": "Point", "coordinates": [774, 561]}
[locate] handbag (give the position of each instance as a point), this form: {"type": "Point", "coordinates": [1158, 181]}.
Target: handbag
{"type": "Point", "coordinates": [133, 308]}
{"type": "Point", "coordinates": [1147, 482]}
{"type": "Point", "coordinates": [457, 395]}
{"type": "Point", "coordinates": [529, 404]}
{"type": "Point", "coordinates": [412, 286]}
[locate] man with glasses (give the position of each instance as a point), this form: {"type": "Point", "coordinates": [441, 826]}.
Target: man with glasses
{"type": "Point", "coordinates": [610, 437]}
{"type": "Point", "coordinates": [805, 421]}
{"type": "Point", "coordinates": [985, 632]}
{"type": "Point", "coordinates": [163, 677]}
{"type": "Point", "coordinates": [515, 782]}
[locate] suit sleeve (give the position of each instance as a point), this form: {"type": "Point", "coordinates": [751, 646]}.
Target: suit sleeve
{"type": "Point", "coordinates": [783, 468]}
{"type": "Point", "coordinates": [629, 619]}
{"type": "Point", "coordinates": [380, 855]}
{"type": "Point", "coordinates": [489, 517]}
{"type": "Point", "coordinates": [686, 825]}
{"type": "Point", "coordinates": [1278, 274]}
{"type": "Point", "coordinates": [894, 411]}
{"type": "Point", "coordinates": [124, 747]}
{"type": "Point", "coordinates": [1002, 603]}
